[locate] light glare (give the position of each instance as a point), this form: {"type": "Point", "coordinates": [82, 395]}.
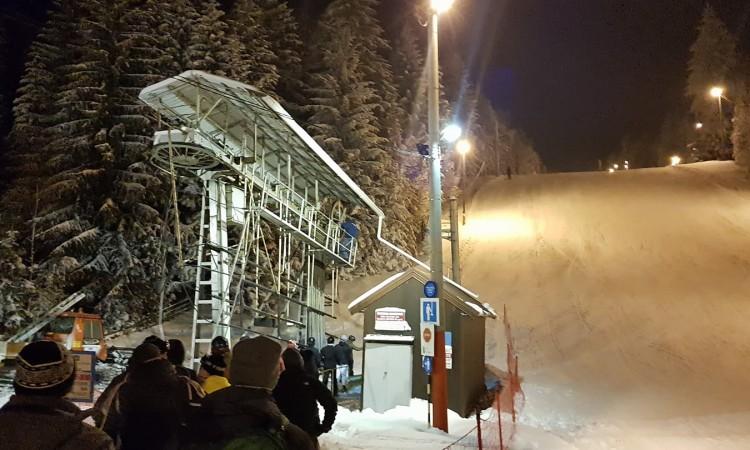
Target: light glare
{"type": "Point", "coordinates": [698, 125]}
{"type": "Point", "coordinates": [452, 132]}
{"type": "Point", "coordinates": [675, 160]}
{"type": "Point", "coordinates": [441, 6]}
{"type": "Point", "coordinates": [463, 146]}
{"type": "Point", "coordinates": [717, 92]}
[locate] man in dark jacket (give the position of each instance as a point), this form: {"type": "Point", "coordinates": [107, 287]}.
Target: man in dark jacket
{"type": "Point", "coordinates": [38, 416]}
{"type": "Point", "coordinates": [344, 359]}
{"type": "Point", "coordinates": [245, 415]}
{"type": "Point", "coordinates": [328, 355]}
{"type": "Point", "coordinates": [317, 360]}
{"type": "Point", "coordinates": [153, 407]}
{"type": "Point", "coordinates": [298, 395]}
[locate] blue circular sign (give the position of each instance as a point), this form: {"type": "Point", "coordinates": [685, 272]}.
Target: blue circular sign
{"type": "Point", "coordinates": [430, 289]}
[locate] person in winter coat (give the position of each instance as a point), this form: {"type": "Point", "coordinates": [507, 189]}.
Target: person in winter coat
{"type": "Point", "coordinates": [244, 415]}
{"type": "Point", "coordinates": [328, 355]}
{"type": "Point", "coordinates": [38, 416]}
{"type": "Point", "coordinates": [317, 360]}
{"type": "Point", "coordinates": [153, 408]}
{"type": "Point", "coordinates": [310, 365]}
{"type": "Point", "coordinates": [344, 358]}
{"type": "Point", "coordinates": [176, 355]}
{"type": "Point", "coordinates": [352, 347]}
{"type": "Point", "coordinates": [213, 373]}
{"type": "Point", "coordinates": [350, 233]}
{"type": "Point", "coordinates": [140, 354]}
{"type": "Point", "coordinates": [298, 395]}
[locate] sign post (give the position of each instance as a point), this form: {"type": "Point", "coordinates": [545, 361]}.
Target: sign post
{"type": "Point", "coordinates": [83, 386]}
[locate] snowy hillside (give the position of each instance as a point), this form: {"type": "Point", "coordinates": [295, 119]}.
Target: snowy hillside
{"type": "Point", "coordinates": [629, 297]}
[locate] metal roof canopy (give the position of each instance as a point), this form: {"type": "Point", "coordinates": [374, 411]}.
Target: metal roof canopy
{"type": "Point", "coordinates": [232, 112]}
{"type": "Point", "coordinates": [455, 294]}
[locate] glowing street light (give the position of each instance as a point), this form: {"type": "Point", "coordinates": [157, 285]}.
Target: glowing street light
{"type": "Point", "coordinates": [675, 160]}
{"type": "Point", "coordinates": [452, 132]}
{"type": "Point", "coordinates": [616, 166]}
{"type": "Point", "coordinates": [610, 170]}
{"type": "Point", "coordinates": [698, 125]}
{"type": "Point", "coordinates": [716, 92]}
{"type": "Point", "coordinates": [463, 147]}
{"type": "Point", "coordinates": [441, 6]}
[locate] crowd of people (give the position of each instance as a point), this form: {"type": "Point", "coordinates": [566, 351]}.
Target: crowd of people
{"type": "Point", "coordinates": [257, 395]}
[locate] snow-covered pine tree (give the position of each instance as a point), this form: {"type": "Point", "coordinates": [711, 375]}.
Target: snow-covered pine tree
{"type": "Point", "coordinates": [256, 57]}
{"type": "Point", "coordinates": [280, 29]}
{"type": "Point", "coordinates": [213, 47]}
{"type": "Point", "coordinates": [741, 125]}
{"type": "Point", "coordinates": [713, 58]}
{"type": "Point", "coordinates": [343, 120]}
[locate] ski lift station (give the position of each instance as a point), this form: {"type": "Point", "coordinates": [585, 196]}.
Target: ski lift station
{"type": "Point", "coordinates": [269, 234]}
{"type": "Point", "coordinates": [392, 320]}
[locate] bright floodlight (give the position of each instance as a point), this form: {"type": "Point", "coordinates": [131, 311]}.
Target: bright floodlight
{"type": "Point", "coordinates": [716, 92]}
{"type": "Point", "coordinates": [463, 146]}
{"type": "Point", "coordinates": [452, 132]}
{"type": "Point", "coordinates": [441, 6]}
{"type": "Point", "coordinates": [610, 170]}
{"type": "Point", "coordinates": [698, 125]}
{"type": "Point", "coordinates": [675, 160]}
{"type": "Point", "coordinates": [616, 166]}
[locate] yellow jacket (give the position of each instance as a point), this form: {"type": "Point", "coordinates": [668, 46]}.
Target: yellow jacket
{"type": "Point", "coordinates": [215, 382]}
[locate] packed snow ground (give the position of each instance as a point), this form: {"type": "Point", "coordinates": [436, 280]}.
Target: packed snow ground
{"type": "Point", "coordinates": [628, 296]}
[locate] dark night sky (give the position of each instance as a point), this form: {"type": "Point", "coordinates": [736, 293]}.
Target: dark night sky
{"type": "Point", "coordinates": [579, 75]}
{"type": "Point", "coordinates": [576, 75]}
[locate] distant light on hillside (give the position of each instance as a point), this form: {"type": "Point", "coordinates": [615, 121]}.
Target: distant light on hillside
{"type": "Point", "coordinates": [502, 226]}
{"type": "Point", "coordinates": [675, 160]}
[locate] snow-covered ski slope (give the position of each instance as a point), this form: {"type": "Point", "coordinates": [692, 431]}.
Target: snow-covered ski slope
{"type": "Point", "coordinates": [629, 296]}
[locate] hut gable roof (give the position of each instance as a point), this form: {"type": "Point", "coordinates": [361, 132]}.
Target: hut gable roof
{"type": "Point", "coordinates": [455, 294]}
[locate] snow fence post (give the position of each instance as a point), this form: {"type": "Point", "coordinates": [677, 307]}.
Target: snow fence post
{"type": "Point", "coordinates": [479, 428]}
{"type": "Point", "coordinates": [499, 418]}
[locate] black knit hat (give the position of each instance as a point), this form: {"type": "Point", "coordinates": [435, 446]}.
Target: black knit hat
{"type": "Point", "coordinates": [214, 365]}
{"type": "Point", "coordinates": [44, 368]}
{"type": "Point", "coordinates": [160, 343]}
{"type": "Point", "coordinates": [219, 342]}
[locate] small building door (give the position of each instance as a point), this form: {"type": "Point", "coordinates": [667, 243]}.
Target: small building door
{"type": "Point", "coordinates": [387, 373]}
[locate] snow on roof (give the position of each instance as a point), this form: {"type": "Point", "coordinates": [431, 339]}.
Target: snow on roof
{"type": "Point", "coordinates": [473, 303]}
{"type": "Point", "coordinates": [388, 337]}
{"type": "Point", "coordinates": [246, 106]}
{"type": "Point", "coordinates": [373, 290]}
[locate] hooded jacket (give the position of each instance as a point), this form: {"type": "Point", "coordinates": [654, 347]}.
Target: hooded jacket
{"type": "Point", "coordinates": [47, 423]}
{"type": "Point", "coordinates": [237, 411]}
{"type": "Point", "coordinates": [328, 354]}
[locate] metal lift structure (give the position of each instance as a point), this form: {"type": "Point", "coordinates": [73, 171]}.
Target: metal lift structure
{"type": "Point", "coordinates": [273, 202]}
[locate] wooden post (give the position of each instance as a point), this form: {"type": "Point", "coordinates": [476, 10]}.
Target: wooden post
{"type": "Point", "coordinates": [440, 384]}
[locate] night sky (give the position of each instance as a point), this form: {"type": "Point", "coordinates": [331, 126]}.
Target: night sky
{"type": "Point", "coordinates": [576, 75]}
{"type": "Point", "coordinates": [579, 75]}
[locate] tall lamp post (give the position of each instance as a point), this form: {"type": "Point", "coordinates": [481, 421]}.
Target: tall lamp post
{"type": "Point", "coordinates": [717, 92]}
{"type": "Point", "coordinates": [439, 378]}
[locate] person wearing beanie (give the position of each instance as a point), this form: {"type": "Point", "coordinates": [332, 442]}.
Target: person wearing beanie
{"type": "Point", "coordinates": [344, 358]}
{"type": "Point", "coordinates": [328, 355]}
{"type": "Point", "coordinates": [298, 395]}
{"type": "Point", "coordinates": [317, 360]}
{"type": "Point", "coordinates": [245, 414]}
{"type": "Point", "coordinates": [176, 355]}
{"type": "Point", "coordinates": [212, 373]}
{"type": "Point", "coordinates": [38, 416]}
{"type": "Point", "coordinates": [153, 407]}
{"type": "Point", "coordinates": [219, 346]}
